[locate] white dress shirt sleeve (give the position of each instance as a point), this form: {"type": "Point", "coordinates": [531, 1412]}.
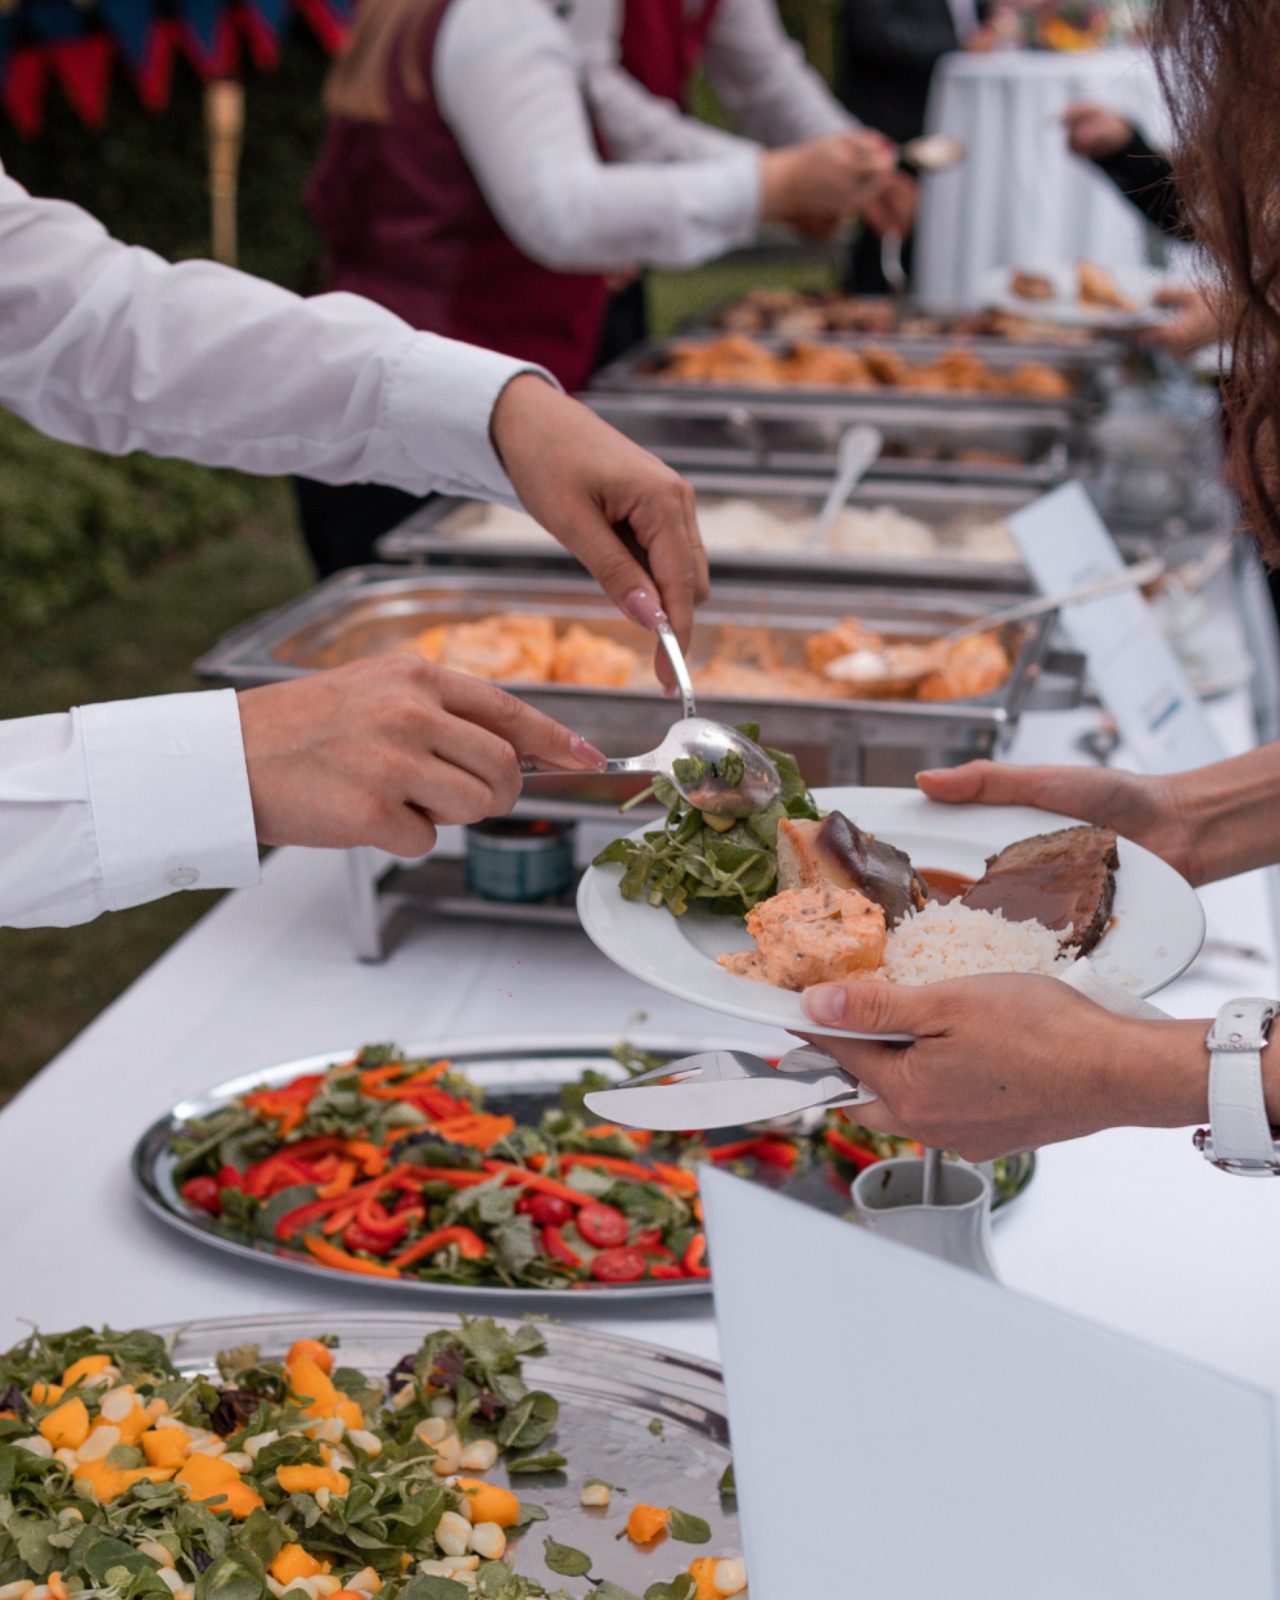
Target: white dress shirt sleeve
{"type": "Point", "coordinates": [112, 805]}
{"type": "Point", "coordinates": [512, 87]}
{"type": "Point", "coordinates": [106, 345]}
{"type": "Point", "coordinates": [762, 76]}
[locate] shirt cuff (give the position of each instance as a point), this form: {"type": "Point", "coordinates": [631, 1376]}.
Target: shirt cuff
{"type": "Point", "coordinates": [439, 407]}
{"type": "Point", "coordinates": [170, 795]}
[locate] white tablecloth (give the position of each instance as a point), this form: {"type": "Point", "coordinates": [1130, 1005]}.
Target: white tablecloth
{"type": "Point", "coordinates": [1129, 1227]}
{"type": "Point", "coordinates": [1021, 198]}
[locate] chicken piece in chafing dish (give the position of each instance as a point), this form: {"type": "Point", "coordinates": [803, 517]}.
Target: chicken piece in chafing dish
{"type": "Point", "coordinates": [591, 660]}
{"type": "Point", "coordinates": [975, 665]}
{"type": "Point", "coordinates": [514, 647]}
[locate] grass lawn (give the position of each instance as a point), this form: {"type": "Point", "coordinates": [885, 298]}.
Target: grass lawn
{"type": "Point", "coordinates": [55, 980]}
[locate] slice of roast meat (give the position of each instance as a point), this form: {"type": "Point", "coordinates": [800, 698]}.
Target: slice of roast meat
{"type": "Point", "coordinates": [1065, 880]}
{"type": "Point", "coordinates": [837, 851]}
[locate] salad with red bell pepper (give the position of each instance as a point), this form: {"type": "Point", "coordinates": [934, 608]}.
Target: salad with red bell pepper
{"type": "Point", "coordinates": [391, 1167]}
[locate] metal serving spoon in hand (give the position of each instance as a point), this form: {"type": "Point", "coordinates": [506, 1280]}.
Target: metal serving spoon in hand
{"type": "Point", "coordinates": [715, 768]}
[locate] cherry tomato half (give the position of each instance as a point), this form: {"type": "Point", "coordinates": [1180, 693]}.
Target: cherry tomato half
{"type": "Point", "coordinates": [665, 1269]}
{"type": "Point", "coordinates": [618, 1266]}
{"type": "Point", "coordinates": [203, 1194]}
{"type": "Point", "coordinates": [357, 1238]}
{"type": "Point", "coordinates": [547, 1210]}
{"type": "Point", "coordinates": [602, 1226]}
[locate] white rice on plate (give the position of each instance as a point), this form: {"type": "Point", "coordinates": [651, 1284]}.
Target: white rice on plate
{"type": "Point", "coordinates": [957, 941]}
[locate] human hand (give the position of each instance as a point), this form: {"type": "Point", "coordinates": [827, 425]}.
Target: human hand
{"type": "Point", "coordinates": [818, 185]}
{"type": "Point", "coordinates": [1197, 322]}
{"type": "Point", "coordinates": [1149, 810]}
{"type": "Point", "coordinates": [1093, 132]}
{"type": "Point", "coordinates": [1006, 1062]}
{"type": "Point", "coordinates": [892, 208]}
{"type": "Point", "coordinates": [584, 481]}
{"type": "Point", "coordinates": [382, 750]}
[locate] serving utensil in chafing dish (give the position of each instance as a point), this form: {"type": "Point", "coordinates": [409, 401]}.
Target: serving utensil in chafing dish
{"type": "Point", "coordinates": [897, 667]}
{"type": "Point", "coordinates": [714, 767]}
{"type": "Point", "coordinates": [859, 448]}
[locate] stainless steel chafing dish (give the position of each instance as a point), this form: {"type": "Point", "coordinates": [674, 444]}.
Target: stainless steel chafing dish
{"type": "Point", "coordinates": [641, 369]}
{"type": "Point", "coordinates": [369, 610]}
{"type": "Point", "coordinates": [1032, 446]}
{"type": "Point", "coordinates": [438, 533]}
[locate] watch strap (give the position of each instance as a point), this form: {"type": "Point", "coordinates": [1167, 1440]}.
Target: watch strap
{"type": "Point", "coordinates": [1238, 1120]}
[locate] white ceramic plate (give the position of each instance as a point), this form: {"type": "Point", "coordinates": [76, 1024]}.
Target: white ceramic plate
{"type": "Point", "coordinates": [1156, 930]}
{"type": "Point", "coordinates": [1139, 284]}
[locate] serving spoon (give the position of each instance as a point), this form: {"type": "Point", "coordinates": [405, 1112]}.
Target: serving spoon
{"type": "Point", "coordinates": [858, 451]}
{"type": "Point", "coordinates": [902, 666]}
{"type": "Point", "coordinates": [716, 769]}
{"type": "Point", "coordinates": [933, 152]}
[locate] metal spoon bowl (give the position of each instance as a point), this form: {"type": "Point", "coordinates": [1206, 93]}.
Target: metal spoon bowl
{"type": "Point", "coordinates": [715, 768]}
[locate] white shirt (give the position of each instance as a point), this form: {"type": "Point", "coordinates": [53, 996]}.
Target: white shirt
{"type": "Point", "coordinates": [108, 346]}
{"type": "Point", "coordinates": [521, 82]}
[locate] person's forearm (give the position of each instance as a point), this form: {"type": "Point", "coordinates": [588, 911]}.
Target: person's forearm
{"type": "Point", "coordinates": [764, 80]}
{"type": "Point", "coordinates": [1157, 1074]}
{"type": "Point", "coordinates": [1232, 815]}
{"type": "Point", "coordinates": [108, 346]}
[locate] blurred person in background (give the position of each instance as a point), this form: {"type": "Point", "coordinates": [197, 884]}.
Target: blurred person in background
{"type": "Point", "coordinates": [1145, 178]}
{"type": "Point", "coordinates": [111, 805]}
{"type": "Point", "coordinates": [491, 165]}
{"type": "Point", "coordinates": [891, 48]}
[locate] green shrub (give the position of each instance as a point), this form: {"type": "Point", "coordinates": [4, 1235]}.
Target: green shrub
{"type": "Point", "coordinates": [74, 524]}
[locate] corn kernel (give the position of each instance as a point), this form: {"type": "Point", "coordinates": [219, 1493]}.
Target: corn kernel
{"type": "Point", "coordinates": [488, 1540]}
{"type": "Point", "coordinates": [478, 1456]}
{"type": "Point", "coordinates": [594, 1494]}
{"type": "Point", "coordinates": [453, 1534]}
{"type": "Point", "coordinates": [730, 1576]}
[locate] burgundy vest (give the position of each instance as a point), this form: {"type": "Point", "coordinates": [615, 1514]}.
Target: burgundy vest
{"type": "Point", "coordinates": [405, 223]}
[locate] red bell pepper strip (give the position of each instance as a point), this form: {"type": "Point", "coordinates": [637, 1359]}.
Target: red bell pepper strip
{"type": "Point", "coordinates": [470, 1245]}
{"type": "Point", "coordinates": [694, 1262]}
{"type": "Point", "coordinates": [374, 1219]}
{"type": "Point", "coordinates": [322, 1250]}
{"type": "Point", "coordinates": [541, 1185]}
{"type": "Point", "coordinates": [203, 1193]}
{"type": "Point", "coordinates": [857, 1155]}
{"type": "Point", "coordinates": [736, 1151]}
{"type": "Point", "coordinates": [678, 1178]}
{"type": "Point", "coordinates": [303, 1216]}
{"type": "Point", "coordinates": [666, 1270]}
{"type": "Point", "coordinates": [554, 1243]}
{"type": "Point", "coordinates": [776, 1153]}
{"type": "Point", "coordinates": [338, 1220]}
{"type": "Point", "coordinates": [354, 1237]}
{"type": "Point", "coordinates": [228, 1177]}
{"type": "Point", "coordinates": [455, 1177]}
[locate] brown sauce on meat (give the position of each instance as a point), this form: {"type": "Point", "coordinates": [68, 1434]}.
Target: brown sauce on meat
{"type": "Point", "coordinates": [1046, 891]}
{"type": "Point", "coordinates": [945, 886]}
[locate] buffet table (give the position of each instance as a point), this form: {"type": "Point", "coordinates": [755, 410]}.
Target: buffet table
{"type": "Point", "coordinates": [1021, 198]}
{"type": "Point", "coordinates": [1129, 1227]}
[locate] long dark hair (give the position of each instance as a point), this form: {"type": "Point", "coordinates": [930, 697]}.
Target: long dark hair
{"type": "Point", "coordinates": [1219, 61]}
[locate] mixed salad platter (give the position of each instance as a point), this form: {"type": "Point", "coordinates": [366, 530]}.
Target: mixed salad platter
{"type": "Point", "coordinates": [383, 1458]}
{"type": "Point", "coordinates": [476, 1173]}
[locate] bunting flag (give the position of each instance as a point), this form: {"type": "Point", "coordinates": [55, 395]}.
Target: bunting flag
{"type": "Point", "coordinates": [77, 43]}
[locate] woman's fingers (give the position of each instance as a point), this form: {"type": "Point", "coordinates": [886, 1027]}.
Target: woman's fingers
{"type": "Point", "coordinates": [520, 730]}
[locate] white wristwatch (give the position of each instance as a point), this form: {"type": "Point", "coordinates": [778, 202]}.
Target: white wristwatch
{"type": "Point", "coordinates": [1240, 1138]}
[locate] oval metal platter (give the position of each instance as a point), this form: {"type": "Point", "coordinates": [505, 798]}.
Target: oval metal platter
{"type": "Point", "coordinates": [649, 1420]}
{"type": "Point", "coordinates": [522, 1078]}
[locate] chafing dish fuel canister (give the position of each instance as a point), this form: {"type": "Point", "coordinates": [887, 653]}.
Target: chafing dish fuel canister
{"type": "Point", "coordinates": [517, 858]}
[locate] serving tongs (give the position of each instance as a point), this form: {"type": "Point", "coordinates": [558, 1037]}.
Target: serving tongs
{"type": "Point", "coordinates": [723, 1088]}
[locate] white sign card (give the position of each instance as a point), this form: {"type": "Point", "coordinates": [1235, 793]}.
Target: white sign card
{"type": "Point", "coordinates": [1065, 545]}
{"type": "Point", "coordinates": [903, 1427]}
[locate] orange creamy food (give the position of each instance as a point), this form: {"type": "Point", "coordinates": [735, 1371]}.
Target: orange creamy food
{"type": "Point", "coordinates": [810, 935]}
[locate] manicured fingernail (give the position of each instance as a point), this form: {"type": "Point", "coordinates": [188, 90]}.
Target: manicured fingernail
{"type": "Point", "coordinates": [824, 1003]}
{"type": "Point", "coordinates": [644, 608]}
{"type": "Point", "coordinates": [668, 691]}
{"type": "Point", "coordinates": [930, 772]}
{"type": "Point", "coordinates": [587, 753]}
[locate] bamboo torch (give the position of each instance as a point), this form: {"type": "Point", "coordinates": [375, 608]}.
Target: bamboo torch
{"type": "Point", "coordinates": [224, 128]}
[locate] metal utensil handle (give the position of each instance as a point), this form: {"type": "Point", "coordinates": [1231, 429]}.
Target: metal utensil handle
{"type": "Point", "coordinates": [678, 665]}
{"type": "Point", "coordinates": [891, 262]}
{"type": "Point", "coordinates": [1131, 577]}
{"type": "Point", "coordinates": [929, 1177]}
{"type": "Point", "coordinates": [615, 764]}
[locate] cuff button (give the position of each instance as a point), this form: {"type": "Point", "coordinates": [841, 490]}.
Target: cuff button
{"type": "Point", "coordinates": [183, 878]}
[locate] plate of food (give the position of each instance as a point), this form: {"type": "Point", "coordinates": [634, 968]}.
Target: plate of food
{"type": "Point", "coordinates": [477, 1172]}
{"type": "Point", "coordinates": [399, 1455]}
{"type": "Point", "coordinates": [1081, 294]}
{"type": "Point", "coordinates": [879, 884]}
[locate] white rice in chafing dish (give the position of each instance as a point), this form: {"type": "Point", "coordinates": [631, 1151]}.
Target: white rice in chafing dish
{"type": "Point", "coordinates": [956, 941]}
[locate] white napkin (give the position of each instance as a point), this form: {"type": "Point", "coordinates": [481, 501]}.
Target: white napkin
{"type": "Point", "coordinates": [1088, 981]}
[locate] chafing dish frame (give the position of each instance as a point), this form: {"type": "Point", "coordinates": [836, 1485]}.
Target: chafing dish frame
{"type": "Point", "coordinates": [640, 369]}
{"type": "Point", "coordinates": [772, 435]}
{"type": "Point", "coordinates": [420, 537]}
{"type": "Point", "coordinates": [284, 644]}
